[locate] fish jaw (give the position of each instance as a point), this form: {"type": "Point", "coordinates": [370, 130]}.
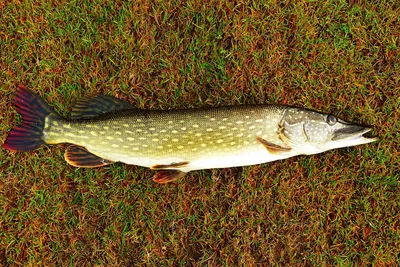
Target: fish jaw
{"type": "Point", "coordinates": [352, 138]}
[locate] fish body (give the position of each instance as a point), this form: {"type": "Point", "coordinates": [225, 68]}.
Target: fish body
{"type": "Point", "coordinates": [104, 130]}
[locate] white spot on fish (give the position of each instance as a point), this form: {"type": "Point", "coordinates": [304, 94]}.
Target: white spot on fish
{"type": "Point", "coordinates": [152, 129]}
{"type": "Point", "coordinates": [240, 135]}
{"type": "Point", "coordinates": [55, 123]}
{"type": "Point", "coordinates": [239, 122]}
{"type": "Point", "coordinates": [102, 132]}
{"type": "Point", "coordinates": [142, 138]}
{"type": "Point", "coordinates": [190, 143]}
{"type": "Point", "coordinates": [93, 133]}
{"type": "Point", "coordinates": [260, 120]}
{"type": "Point", "coordinates": [119, 133]}
{"type": "Point", "coordinates": [138, 120]}
{"type": "Point", "coordinates": [198, 134]}
{"type": "Point", "coordinates": [247, 117]}
{"type": "Point", "coordinates": [212, 119]}
{"type": "Point", "coordinates": [92, 126]}
{"type": "Point", "coordinates": [174, 131]}
{"type": "Point", "coordinates": [232, 143]}
{"type": "Point", "coordinates": [163, 131]}
{"type": "Point", "coordinates": [220, 141]}
{"type": "Point", "coordinates": [203, 145]}
{"type": "Point", "coordinates": [109, 137]}
{"type": "Point", "coordinates": [224, 119]}
{"type": "Point", "coordinates": [67, 126]}
{"type": "Point", "coordinates": [160, 147]}
{"type": "Point", "coordinates": [165, 139]}
{"type": "Point", "coordinates": [120, 139]}
{"type": "Point", "coordinates": [196, 126]}
{"type": "Point", "coordinates": [125, 146]}
{"type": "Point", "coordinates": [194, 149]}
{"type": "Point", "coordinates": [154, 140]}
{"type": "Point", "coordinates": [104, 143]}
{"type": "Point", "coordinates": [209, 130]}
{"type": "Point", "coordinates": [81, 132]}
{"type": "Point", "coordinates": [139, 130]}
{"type": "Point", "coordinates": [175, 140]}
{"type": "Point", "coordinates": [180, 147]}
{"type": "Point", "coordinates": [183, 128]}
{"type": "Point", "coordinates": [135, 148]}
{"type": "Point", "coordinates": [222, 127]}
{"type": "Point", "coordinates": [170, 122]}
{"type": "Point", "coordinates": [181, 121]}
{"type": "Point", "coordinates": [259, 133]}
{"type": "Point", "coordinates": [169, 145]}
{"type": "Point", "coordinates": [131, 139]}
{"type": "Point", "coordinates": [114, 145]}
{"type": "Point", "coordinates": [252, 127]}
{"type": "Point", "coordinates": [246, 143]}
{"type": "Point", "coordinates": [106, 128]}
{"type": "Point", "coordinates": [125, 125]}
{"type": "Point", "coordinates": [145, 145]}
{"type": "Point", "coordinates": [129, 132]}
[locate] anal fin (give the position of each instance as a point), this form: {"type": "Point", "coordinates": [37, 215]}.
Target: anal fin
{"type": "Point", "coordinates": [273, 148]}
{"type": "Point", "coordinates": [79, 156]}
{"type": "Point", "coordinates": [167, 176]}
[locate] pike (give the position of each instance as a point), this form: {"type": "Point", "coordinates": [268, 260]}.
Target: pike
{"type": "Point", "coordinates": [103, 130]}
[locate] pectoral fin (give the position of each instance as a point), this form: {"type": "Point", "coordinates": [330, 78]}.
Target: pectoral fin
{"type": "Point", "coordinates": [273, 148]}
{"type": "Point", "coordinates": [79, 156]}
{"type": "Point", "coordinates": [167, 176]}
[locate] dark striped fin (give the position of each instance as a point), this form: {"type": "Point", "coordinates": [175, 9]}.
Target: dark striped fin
{"type": "Point", "coordinates": [34, 110]}
{"type": "Point", "coordinates": [90, 107]}
{"type": "Point", "coordinates": [163, 177]}
{"type": "Point", "coordinates": [79, 156]}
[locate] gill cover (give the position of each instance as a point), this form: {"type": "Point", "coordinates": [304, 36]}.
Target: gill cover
{"type": "Point", "coordinates": [309, 132]}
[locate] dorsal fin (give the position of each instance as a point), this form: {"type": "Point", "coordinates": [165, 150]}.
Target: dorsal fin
{"type": "Point", "coordinates": [89, 107]}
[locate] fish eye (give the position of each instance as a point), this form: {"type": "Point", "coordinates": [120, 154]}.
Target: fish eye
{"type": "Point", "coordinates": [331, 120]}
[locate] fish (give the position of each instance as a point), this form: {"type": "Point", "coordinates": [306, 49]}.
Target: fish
{"type": "Point", "coordinates": [103, 129]}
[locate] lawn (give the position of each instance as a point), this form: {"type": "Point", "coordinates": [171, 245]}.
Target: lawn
{"type": "Point", "coordinates": [341, 207]}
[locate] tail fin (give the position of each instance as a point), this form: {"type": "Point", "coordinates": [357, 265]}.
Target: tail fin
{"type": "Point", "coordinates": [34, 110]}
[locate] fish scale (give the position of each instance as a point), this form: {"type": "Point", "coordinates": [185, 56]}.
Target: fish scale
{"type": "Point", "coordinates": [187, 134]}
{"type": "Point", "coordinates": [104, 129]}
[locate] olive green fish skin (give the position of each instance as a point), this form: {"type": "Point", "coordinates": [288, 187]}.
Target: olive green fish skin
{"type": "Point", "coordinates": [170, 136]}
{"type": "Point", "coordinates": [106, 130]}
{"type": "Point", "coordinates": [206, 138]}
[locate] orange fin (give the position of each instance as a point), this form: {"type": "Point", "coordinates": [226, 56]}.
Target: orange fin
{"type": "Point", "coordinates": [272, 148]}
{"type": "Point", "coordinates": [174, 165]}
{"type": "Point", "coordinates": [79, 156]}
{"type": "Point", "coordinates": [163, 177]}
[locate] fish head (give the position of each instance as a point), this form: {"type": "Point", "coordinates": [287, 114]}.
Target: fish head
{"type": "Point", "coordinates": [310, 132]}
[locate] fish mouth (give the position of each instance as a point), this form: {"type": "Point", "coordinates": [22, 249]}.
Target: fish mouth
{"type": "Point", "coordinates": [353, 133]}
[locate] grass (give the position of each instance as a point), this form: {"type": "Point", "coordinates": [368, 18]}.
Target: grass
{"type": "Point", "coordinates": [336, 208]}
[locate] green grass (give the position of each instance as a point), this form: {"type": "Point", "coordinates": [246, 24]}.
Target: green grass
{"type": "Point", "coordinates": [337, 208]}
